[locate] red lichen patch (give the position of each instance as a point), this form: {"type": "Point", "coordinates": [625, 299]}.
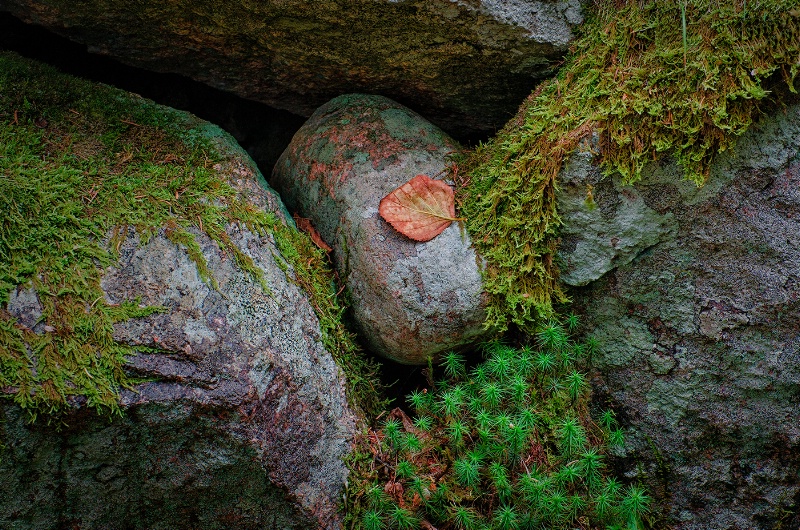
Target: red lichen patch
{"type": "Point", "coordinates": [318, 171]}
{"type": "Point", "coordinates": [330, 175]}
{"type": "Point", "coordinates": [369, 137]}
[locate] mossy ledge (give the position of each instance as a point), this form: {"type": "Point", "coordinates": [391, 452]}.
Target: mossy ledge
{"type": "Point", "coordinates": [650, 78]}
{"type": "Point", "coordinates": [82, 163]}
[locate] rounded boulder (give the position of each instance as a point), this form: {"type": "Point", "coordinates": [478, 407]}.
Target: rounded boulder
{"type": "Point", "coordinates": [411, 301]}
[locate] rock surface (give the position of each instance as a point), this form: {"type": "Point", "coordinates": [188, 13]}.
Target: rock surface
{"type": "Point", "coordinates": [410, 300]}
{"type": "Point", "coordinates": [693, 295]}
{"type": "Point", "coordinates": [465, 64]}
{"type": "Point", "coordinates": [242, 421]}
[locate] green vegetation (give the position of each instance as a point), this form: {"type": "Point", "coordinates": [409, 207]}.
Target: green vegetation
{"type": "Point", "coordinates": [651, 78]}
{"type": "Point", "coordinates": [507, 445]}
{"type": "Point", "coordinates": [80, 165]}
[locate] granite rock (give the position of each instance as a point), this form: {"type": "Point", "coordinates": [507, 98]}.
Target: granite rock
{"type": "Point", "coordinates": [465, 64]}
{"type": "Point", "coordinates": [240, 419]}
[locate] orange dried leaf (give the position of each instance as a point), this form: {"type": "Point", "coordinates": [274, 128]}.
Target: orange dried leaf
{"type": "Point", "coordinates": [305, 225]}
{"type": "Point", "coordinates": [420, 209]}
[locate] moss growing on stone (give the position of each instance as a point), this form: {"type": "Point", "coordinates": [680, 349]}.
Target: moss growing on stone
{"type": "Point", "coordinates": [80, 164]}
{"type": "Point", "coordinates": [648, 86]}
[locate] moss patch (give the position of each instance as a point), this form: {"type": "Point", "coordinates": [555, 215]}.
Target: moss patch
{"type": "Point", "coordinates": [80, 162]}
{"type": "Point", "coordinates": [507, 445]}
{"type": "Point", "coordinates": [649, 85]}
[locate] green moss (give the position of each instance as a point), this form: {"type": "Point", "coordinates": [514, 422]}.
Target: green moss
{"type": "Point", "coordinates": [80, 164]}
{"type": "Point", "coordinates": [647, 92]}
{"type": "Point", "coordinates": [525, 454]}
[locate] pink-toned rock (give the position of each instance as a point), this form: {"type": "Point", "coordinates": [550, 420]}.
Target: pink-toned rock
{"type": "Point", "coordinates": [411, 301]}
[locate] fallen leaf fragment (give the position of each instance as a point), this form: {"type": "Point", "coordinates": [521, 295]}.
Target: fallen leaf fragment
{"type": "Point", "coordinates": [305, 225]}
{"type": "Point", "coordinates": [420, 209]}
{"type": "Point", "coordinates": [394, 490]}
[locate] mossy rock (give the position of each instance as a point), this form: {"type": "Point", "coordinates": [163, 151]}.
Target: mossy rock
{"type": "Point", "coordinates": [170, 335]}
{"type": "Point", "coordinates": [638, 86]}
{"type": "Point", "coordinates": [688, 277]}
{"type": "Point", "coordinates": [697, 321]}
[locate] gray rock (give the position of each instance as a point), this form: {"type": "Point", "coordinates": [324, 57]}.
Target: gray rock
{"type": "Point", "coordinates": [544, 21]}
{"type": "Point", "coordinates": [465, 64]}
{"type": "Point", "coordinates": [693, 295]}
{"type": "Point", "coordinates": [411, 301]}
{"type": "Point", "coordinates": [605, 230]}
{"type": "Point", "coordinates": [241, 420]}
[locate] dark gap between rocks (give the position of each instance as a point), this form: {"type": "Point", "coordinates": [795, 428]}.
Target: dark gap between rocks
{"type": "Point", "coordinates": [263, 131]}
{"type": "Point", "coordinates": [402, 379]}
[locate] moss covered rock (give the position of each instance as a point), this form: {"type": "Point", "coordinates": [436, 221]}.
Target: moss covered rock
{"type": "Point", "coordinates": [147, 272]}
{"type": "Point", "coordinates": [645, 87]}
{"type": "Point", "coordinates": [466, 65]}
{"type": "Point", "coordinates": [411, 301]}
{"type": "Point", "coordinates": [692, 294]}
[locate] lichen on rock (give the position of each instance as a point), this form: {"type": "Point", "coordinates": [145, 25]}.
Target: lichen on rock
{"type": "Point", "coordinates": [698, 330]}
{"type": "Point", "coordinates": [646, 92]}
{"type": "Point", "coordinates": [686, 285]}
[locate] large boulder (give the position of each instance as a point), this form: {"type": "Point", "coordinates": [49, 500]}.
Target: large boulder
{"type": "Point", "coordinates": [694, 297]}
{"type": "Point", "coordinates": [239, 418]}
{"type": "Point", "coordinates": [464, 64]}
{"type": "Point", "coordinates": [244, 423]}
{"type": "Point", "coordinates": [411, 301]}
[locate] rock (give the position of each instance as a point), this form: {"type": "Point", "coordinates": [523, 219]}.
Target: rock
{"type": "Point", "coordinates": [411, 301]}
{"type": "Point", "coordinates": [465, 64]}
{"type": "Point", "coordinates": [693, 296]}
{"type": "Point", "coordinates": [241, 418]}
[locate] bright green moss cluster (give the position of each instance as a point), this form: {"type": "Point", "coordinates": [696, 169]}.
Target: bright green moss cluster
{"type": "Point", "coordinates": [506, 445]}
{"type": "Point", "coordinates": [80, 164]}
{"type": "Point", "coordinates": [652, 78]}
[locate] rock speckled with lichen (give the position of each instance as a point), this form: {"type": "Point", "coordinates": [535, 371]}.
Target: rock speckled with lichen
{"type": "Point", "coordinates": [240, 420]}
{"type": "Point", "coordinates": [410, 300]}
{"type": "Point", "coordinates": [298, 54]}
{"type": "Point", "coordinates": [694, 297]}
